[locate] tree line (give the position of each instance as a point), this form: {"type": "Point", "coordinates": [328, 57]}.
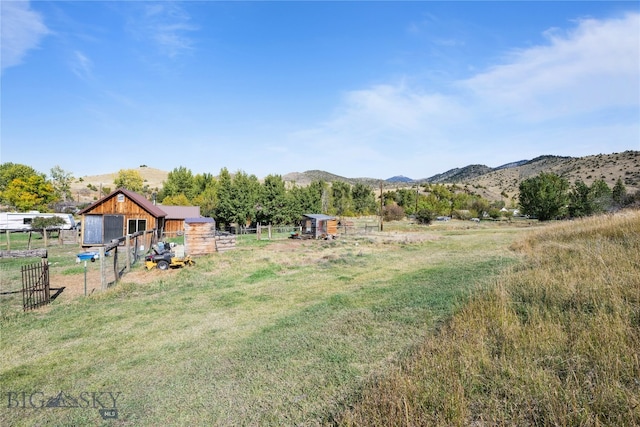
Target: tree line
{"type": "Point", "coordinates": [243, 199]}
{"type": "Point", "coordinates": [549, 196]}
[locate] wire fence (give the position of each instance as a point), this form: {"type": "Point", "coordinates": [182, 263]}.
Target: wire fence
{"type": "Point", "coordinates": [281, 232]}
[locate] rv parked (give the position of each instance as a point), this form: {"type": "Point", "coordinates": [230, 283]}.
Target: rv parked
{"type": "Point", "coordinates": [16, 221]}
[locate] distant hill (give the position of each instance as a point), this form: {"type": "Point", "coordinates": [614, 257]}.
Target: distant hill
{"type": "Point", "coordinates": [491, 183]}
{"type": "Point", "coordinates": [399, 178]}
{"type": "Point", "coordinates": [460, 174]}
{"type": "Point", "coordinates": [86, 188]}
{"type": "Point", "coordinates": [608, 167]}
{"type": "Point", "coordinates": [511, 165]}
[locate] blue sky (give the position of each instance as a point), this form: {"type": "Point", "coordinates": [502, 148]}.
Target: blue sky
{"type": "Point", "coordinates": [359, 89]}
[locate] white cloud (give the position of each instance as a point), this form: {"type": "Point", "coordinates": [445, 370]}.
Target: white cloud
{"type": "Point", "coordinates": [81, 65]}
{"type": "Point", "coordinates": [590, 68]}
{"type": "Point", "coordinates": [22, 30]}
{"type": "Point", "coordinates": [167, 25]}
{"type": "Point", "coordinates": [553, 92]}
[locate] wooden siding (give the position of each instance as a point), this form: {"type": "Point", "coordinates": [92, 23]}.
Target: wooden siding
{"type": "Point", "coordinates": [199, 238]}
{"type": "Point", "coordinates": [127, 208]}
{"type": "Point", "coordinates": [173, 226]}
{"type": "Point", "coordinates": [332, 227]}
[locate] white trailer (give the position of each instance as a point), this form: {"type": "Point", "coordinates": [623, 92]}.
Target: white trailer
{"type": "Point", "coordinates": [15, 221]}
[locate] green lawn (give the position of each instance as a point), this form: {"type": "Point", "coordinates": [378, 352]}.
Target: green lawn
{"type": "Point", "coordinates": [267, 334]}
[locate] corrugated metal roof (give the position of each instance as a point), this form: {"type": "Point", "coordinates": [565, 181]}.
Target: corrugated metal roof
{"type": "Point", "coordinates": [181, 212]}
{"type": "Point", "coordinates": [198, 220]}
{"type": "Point", "coordinates": [319, 216]}
{"type": "Point", "coordinates": [139, 199]}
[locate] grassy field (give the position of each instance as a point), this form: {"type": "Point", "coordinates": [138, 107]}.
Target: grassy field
{"type": "Point", "coordinates": [280, 332]}
{"type": "Point", "coordinates": [556, 341]}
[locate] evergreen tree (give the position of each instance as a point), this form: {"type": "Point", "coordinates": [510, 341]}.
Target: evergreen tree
{"type": "Point", "coordinates": [619, 193]}
{"type": "Point", "coordinates": [341, 199]}
{"type": "Point", "coordinates": [179, 181]}
{"type": "Point", "coordinates": [364, 200]}
{"type": "Point", "coordinates": [580, 200]}
{"type": "Point", "coordinates": [273, 205]}
{"type": "Point", "coordinates": [225, 209]}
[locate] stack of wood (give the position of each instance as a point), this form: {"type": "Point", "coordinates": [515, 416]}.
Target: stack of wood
{"type": "Point", "coordinates": [201, 238]}
{"type": "Point", "coordinates": [225, 242]}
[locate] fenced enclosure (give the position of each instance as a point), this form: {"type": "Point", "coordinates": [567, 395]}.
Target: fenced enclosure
{"type": "Point", "coordinates": [35, 285]}
{"type": "Point", "coordinates": [121, 254]}
{"type": "Point", "coordinates": [350, 226]}
{"type": "Point", "coordinates": [36, 239]}
{"type": "Point", "coordinates": [30, 289]}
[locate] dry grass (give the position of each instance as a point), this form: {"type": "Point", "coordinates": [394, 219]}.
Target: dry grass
{"type": "Point", "coordinates": [152, 177]}
{"type": "Point", "coordinates": [273, 333]}
{"type": "Point", "coordinates": [556, 341]}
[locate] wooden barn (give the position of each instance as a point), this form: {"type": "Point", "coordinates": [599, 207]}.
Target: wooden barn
{"type": "Point", "coordinates": [176, 215]}
{"type": "Point", "coordinates": [120, 213]}
{"type": "Point", "coordinates": [319, 226]}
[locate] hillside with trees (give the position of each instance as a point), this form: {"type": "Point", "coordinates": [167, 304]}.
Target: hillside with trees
{"type": "Point", "coordinates": [547, 187]}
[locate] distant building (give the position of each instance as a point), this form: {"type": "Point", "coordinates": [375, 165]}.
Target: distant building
{"type": "Point", "coordinates": [319, 226]}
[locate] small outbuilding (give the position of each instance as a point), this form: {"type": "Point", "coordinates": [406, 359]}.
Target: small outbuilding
{"type": "Point", "coordinates": [202, 238]}
{"type": "Point", "coordinates": [319, 226]}
{"type": "Point", "coordinates": [119, 213]}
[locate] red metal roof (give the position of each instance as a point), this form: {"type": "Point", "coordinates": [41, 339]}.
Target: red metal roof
{"type": "Point", "coordinates": [181, 212]}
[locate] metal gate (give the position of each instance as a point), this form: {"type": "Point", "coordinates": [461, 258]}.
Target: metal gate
{"type": "Point", "coordinates": [35, 285]}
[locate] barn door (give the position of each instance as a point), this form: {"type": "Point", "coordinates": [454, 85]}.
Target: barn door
{"type": "Point", "coordinates": [113, 227]}
{"type": "Point", "coordinates": [92, 229]}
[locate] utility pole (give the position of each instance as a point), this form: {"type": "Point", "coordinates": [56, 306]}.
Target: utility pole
{"type": "Point", "coordinates": [381, 208]}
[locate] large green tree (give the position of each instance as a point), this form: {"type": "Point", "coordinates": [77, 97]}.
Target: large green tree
{"type": "Point", "coordinates": [224, 211]}
{"type": "Point", "coordinates": [364, 200]}
{"type": "Point", "coordinates": [10, 171]}
{"type": "Point", "coordinates": [246, 192]}
{"type": "Point", "coordinates": [619, 193]}
{"type": "Point", "coordinates": [61, 181]}
{"type": "Point", "coordinates": [206, 193]}
{"type": "Point", "coordinates": [23, 188]}
{"type": "Point", "coordinates": [180, 181]}
{"type": "Point", "coordinates": [580, 200]}
{"type": "Point", "coordinates": [31, 193]}
{"type": "Point", "coordinates": [129, 179]}
{"type": "Point", "coordinates": [341, 199]}
{"type": "Point", "coordinates": [273, 206]}
{"type": "Point", "coordinates": [544, 196]}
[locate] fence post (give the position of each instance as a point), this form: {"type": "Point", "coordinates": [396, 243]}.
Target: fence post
{"type": "Point", "coordinates": [103, 269]}
{"type": "Point", "coordinates": [269, 231]}
{"type": "Point", "coordinates": [8, 241]}
{"type": "Point", "coordinates": [259, 231]}
{"type": "Point", "coordinates": [127, 246]}
{"type": "Point", "coordinates": [47, 291]}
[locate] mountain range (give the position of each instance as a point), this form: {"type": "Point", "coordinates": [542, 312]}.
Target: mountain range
{"type": "Point", "coordinates": [491, 183]}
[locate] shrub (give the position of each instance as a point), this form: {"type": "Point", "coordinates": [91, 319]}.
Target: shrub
{"type": "Point", "coordinates": [393, 213]}
{"type": "Point", "coordinates": [424, 216]}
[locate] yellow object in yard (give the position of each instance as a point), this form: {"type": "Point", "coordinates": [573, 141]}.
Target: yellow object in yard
{"type": "Point", "coordinates": [164, 263]}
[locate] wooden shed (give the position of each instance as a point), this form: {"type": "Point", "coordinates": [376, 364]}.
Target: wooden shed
{"type": "Point", "coordinates": [319, 226]}
{"type": "Point", "coordinates": [120, 213]}
{"type": "Point", "coordinates": [176, 215]}
{"type": "Point", "coordinates": [201, 237]}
